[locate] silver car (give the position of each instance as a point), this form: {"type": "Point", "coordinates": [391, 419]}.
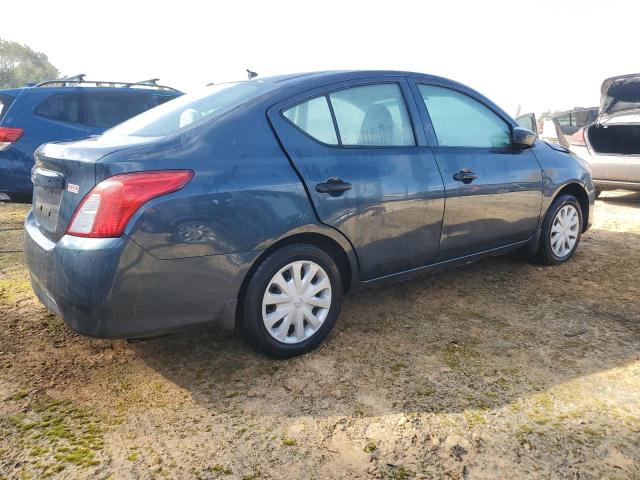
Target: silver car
{"type": "Point", "coordinates": [610, 143]}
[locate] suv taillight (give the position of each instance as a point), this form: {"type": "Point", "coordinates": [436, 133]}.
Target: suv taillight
{"type": "Point", "coordinates": [9, 135]}
{"type": "Point", "coordinates": [108, 207]}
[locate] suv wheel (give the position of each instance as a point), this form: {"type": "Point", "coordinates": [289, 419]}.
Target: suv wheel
{"type": "Point", "coordinates": [292, 301]}
{"type": "Point", "coordinates": [561, 231]}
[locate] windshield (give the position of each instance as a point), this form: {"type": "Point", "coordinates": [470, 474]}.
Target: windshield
{"type": "Point", "coordinates": [191, 109]}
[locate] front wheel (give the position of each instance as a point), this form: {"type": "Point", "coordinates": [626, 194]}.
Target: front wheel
{"type": "Point", "coordinates": [292, 301]}
{"type": "Point", "coordinates": [561, 231]}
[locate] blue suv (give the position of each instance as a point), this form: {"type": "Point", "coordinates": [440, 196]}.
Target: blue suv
{"type": "Point", "coordinates": [60, 110]}
{"type": "Point", "coordinates": [259, 204]}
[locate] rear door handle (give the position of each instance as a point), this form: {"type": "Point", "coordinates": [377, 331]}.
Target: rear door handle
{"type": "Point", "coordinates": [465, 176]}
{"type": "Point", "coordinates": [334, 186]}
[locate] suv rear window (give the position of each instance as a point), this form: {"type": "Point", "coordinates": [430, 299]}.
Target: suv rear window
{"type": "Point", "coordinates": [62, 107]}
{"type": "Point", "coordinates": [106, 109]}
{"type": "Point", "coordinates": [192, 109]}
{"type": "Point", "coordinates": [5, 103]}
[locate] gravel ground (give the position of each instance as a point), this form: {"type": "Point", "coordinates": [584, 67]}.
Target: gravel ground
{"type": "Point", "coordinates": [502, 369]}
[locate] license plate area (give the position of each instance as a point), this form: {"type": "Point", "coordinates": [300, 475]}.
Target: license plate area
{"type": "Point", "coordinates": [46, 207]}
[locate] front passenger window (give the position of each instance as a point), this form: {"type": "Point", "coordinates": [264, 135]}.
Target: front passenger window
{"type": "Point", "coordinates": [461, 121]}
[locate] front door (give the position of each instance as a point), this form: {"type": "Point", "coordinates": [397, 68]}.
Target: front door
{"type": "Point", "coordinates": [493, 190]}
{"type": "Point", "coordinates": [367, 170]}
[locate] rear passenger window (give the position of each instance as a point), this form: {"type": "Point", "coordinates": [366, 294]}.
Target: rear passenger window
{"type": "Point", "coordinates": [314, 118]}
{"type": "Point", "coordinates": [372, 115]}
{"type": "Point", "coordinates": [106, 109]}
{"type": "Point", "coordinates": [63, 107]}
{"type": "Point", "coordinates": [461, 121]}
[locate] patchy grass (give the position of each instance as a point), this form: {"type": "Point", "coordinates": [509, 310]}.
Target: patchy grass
{"type": "Point", "coordinates": [14, 289]}
{"type": "Point", "coordinates": [55, 435]}
{"type": "Point", "coordinates": [370, 447]}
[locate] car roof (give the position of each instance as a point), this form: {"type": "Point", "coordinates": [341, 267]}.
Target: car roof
{"type": "Point", "coordinates": [338, 75]}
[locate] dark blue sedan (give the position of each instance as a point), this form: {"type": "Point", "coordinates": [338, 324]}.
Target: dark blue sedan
{"type": "Point", "coordinates": [259, 204]}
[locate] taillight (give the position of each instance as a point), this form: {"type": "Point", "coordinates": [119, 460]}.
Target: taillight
{"type": "Point", "coordinates": [577, 138]}
{"type": "Point", "coordinates": [9, 135]}
{"type": "Point", "coordinates": [109, 206]}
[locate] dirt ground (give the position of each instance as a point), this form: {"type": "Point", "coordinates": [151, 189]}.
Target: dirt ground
{"type": "Point", "coordinates": [502, 369]}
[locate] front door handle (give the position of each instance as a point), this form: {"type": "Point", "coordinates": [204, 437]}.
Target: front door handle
{"type": "Point", "coordinates": [334, 186]}
{"type": "Point", "coordinates": [465, 176]}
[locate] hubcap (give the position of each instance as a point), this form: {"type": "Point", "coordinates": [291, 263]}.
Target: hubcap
{"type": "Point", "coordinates": [564, 231]}
{"type": "Point", "coordinates": [296, 302]}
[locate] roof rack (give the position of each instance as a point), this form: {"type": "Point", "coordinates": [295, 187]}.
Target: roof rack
{"type": "Point", "coordinates": [77, 80]}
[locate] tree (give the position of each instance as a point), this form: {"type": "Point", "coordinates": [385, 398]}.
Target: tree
{"type": "Point", "coordinates": [19, 65]}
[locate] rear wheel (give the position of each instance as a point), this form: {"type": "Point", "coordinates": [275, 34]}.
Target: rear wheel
{"type": "Point", "coordinates": [292, 301]}
{"type": "Point", "coordinates": [561, 231]}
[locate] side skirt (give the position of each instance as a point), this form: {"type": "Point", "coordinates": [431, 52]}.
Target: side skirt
{"type": "Point", "coordinates": [447, 264]}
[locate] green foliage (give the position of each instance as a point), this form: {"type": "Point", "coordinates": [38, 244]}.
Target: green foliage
{"type": "Point", "coordinates": [20, 65]}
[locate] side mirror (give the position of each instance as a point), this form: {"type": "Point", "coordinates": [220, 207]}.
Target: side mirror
{"type": "Point", "coordinates": [522, 137]}
{"type": "Point", "coordinates": [528, 120]}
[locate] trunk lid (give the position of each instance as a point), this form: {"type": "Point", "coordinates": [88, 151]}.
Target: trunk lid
{"type": "Point", "coordinates": [64, 173]}
{"type": "Point", "coordinates": [619, 96]}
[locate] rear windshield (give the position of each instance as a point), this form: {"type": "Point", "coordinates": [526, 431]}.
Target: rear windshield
{"type": "Point", "coordinates": [5, 103]}
{"type": "Point", "coordinates": [191, 109]}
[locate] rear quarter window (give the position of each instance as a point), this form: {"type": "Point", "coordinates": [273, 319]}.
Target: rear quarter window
{"type": "Point", "coordinates": [5, 103]}
{"type": "Point", "coordinates": [314, 118]}
{"type": "Point", "coordinates": [62, 107]}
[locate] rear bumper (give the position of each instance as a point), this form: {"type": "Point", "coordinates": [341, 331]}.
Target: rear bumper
{"type": "Point", "coordinates": [112, 288]}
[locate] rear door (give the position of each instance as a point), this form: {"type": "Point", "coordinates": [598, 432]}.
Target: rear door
{"type": "Point", "coordinates": [493, 190]}
{"type": "Point", "coordinates": [368, 172]}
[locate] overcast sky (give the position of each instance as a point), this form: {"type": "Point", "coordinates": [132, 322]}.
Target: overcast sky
{"type": "Point", "coordinates": [539, 54]}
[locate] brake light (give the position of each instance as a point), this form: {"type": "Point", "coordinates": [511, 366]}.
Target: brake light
{"type": "Point", "coordinates": [108, 207]}
{"type": "Point", "coordinates": [9, 135]}
{"type": "Point", "coordinates": [577, 138]}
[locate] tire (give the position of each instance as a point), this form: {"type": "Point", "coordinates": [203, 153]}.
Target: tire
{"type": "Point", "coordinates": [550, 252]}
{"type": "Point", "coordinates": [311, 317]}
